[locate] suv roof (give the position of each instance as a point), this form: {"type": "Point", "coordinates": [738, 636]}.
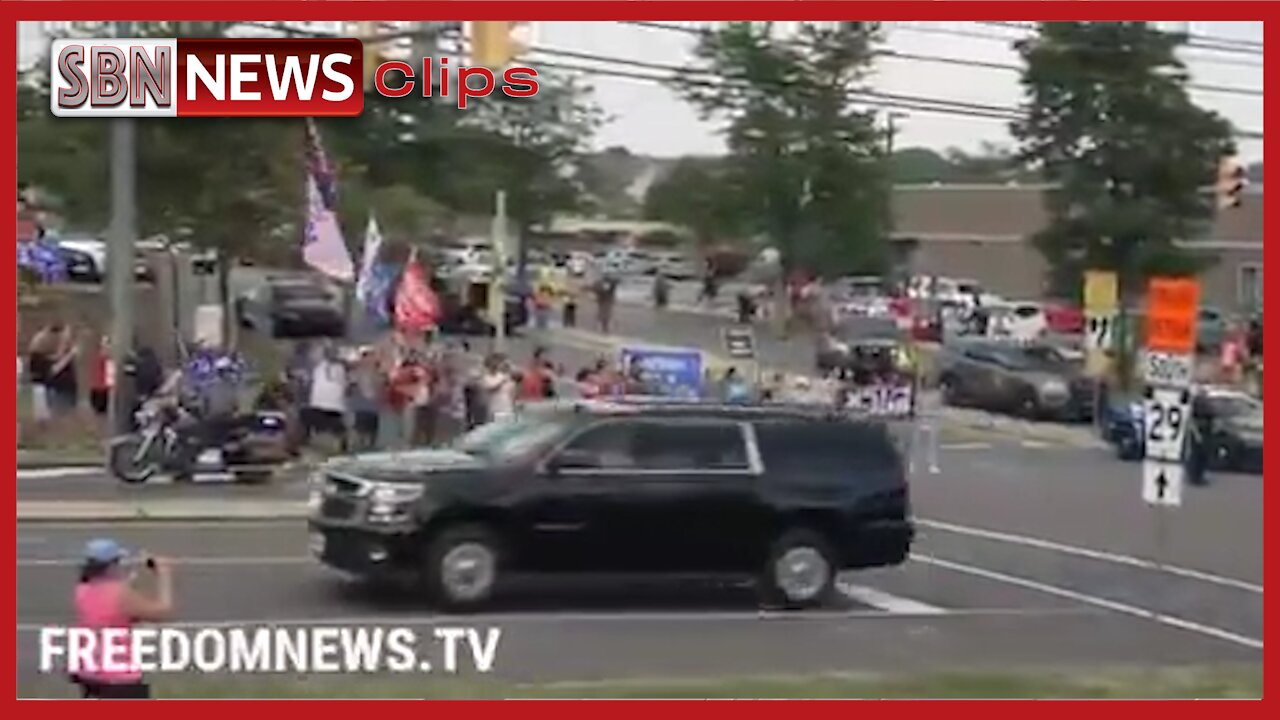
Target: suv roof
{"type": "Point", "coordinates": [651, 406]}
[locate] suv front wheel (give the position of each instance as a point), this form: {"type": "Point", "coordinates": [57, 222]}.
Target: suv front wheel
{"type": "Point", "coordinates": [462, 566]}
{"type": "Point", "coordinates": [801, 570]}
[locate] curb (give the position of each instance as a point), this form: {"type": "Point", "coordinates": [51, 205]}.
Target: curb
{"type": "Point", "coordinates": [95, 512]}
{"type": "Point", "coordinates": [53, 462]}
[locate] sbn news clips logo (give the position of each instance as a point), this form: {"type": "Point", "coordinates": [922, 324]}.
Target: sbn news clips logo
{"type": "Point", "coordinates": [248, 77]}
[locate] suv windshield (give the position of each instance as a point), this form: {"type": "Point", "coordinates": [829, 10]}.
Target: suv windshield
{"type": "Point", "coordinates": [507, 439]}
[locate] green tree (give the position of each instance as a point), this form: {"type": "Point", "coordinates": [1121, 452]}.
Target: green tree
{"type": "Point", "coordinates": [700, 195]}
{"type": "Point", "coordinates": [222, 183]}
{"type": "Point", "coordinates": [809, 162]}
{"type": "Point", "coordinates": [1110, 125]}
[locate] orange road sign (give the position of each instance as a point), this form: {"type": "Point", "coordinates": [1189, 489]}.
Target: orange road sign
{"type": "Point", "coordinates": [1172, 306]}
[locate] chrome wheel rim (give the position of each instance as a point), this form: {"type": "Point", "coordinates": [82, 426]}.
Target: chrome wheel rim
{"type": "Point", "coordinates": [801, 573]}
{"type": "Point", "coordinates": [467, 571]}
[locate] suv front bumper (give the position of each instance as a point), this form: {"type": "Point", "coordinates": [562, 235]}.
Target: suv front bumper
{"type": "Point", "coordinates": [364, 552]}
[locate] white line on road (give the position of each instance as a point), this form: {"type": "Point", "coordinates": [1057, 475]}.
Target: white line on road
{"type": "Point", "coordinates": [1125, 608]}
{"type": "Point", "coordinates": [885, 601]}
{"type": "Point", "coordinates": [560, 617]}
{"type": "Point", "coordinates": [965, 446]}
{"type": "Point", "coordinates": [57, 472]}
{"type": "Point", "coordinates": [191, 561]}
{"type": "Point", "coordinates": [1104, 556]}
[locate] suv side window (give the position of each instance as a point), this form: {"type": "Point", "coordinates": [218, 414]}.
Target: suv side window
{"type": "Point", "coordinates": [609, 445]}
{"type": "Point", "coordinates": [829, 450]}
{"type": "Point", "coordinates": [692, 446]}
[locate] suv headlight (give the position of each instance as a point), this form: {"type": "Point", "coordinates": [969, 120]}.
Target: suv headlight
{"type": "Point", "coordinates": [1053, 388]}
{"type": "Point", "coordinates": [392, 502]}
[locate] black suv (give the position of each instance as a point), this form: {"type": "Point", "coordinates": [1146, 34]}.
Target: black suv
{"type": "Point", "coordinates": [792, 495]}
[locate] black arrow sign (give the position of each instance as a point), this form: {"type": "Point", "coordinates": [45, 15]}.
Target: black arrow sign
{"type": "Point", "coordinates": [1162, 483]}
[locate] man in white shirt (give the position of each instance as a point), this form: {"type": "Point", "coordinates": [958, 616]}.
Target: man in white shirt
{"type": "Point", "coordinates": [500, 389]}
{"type": "Point", "coordinates": [327, 406]}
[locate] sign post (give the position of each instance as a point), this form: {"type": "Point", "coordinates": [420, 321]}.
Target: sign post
{"type": "Point", "coordinates": [740, 344]}
{"type": "Point", "coordinates": [1172, 307]}
{"type": "Point", "coordinates": [1101, 299]}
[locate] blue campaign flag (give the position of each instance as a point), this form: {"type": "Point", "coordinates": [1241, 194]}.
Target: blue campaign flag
{"type": "Point", "coordinates": [669, 373]}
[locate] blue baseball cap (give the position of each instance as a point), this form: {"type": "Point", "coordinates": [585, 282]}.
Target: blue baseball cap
{"type": "Point", "coordinates": [104, 551]}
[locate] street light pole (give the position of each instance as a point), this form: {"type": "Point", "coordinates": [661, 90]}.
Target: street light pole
{"type": "Point", "coordinates": [120, 259]}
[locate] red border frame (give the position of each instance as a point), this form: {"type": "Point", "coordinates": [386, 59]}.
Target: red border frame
{"type": "Point", "coordinates": [12, 11]}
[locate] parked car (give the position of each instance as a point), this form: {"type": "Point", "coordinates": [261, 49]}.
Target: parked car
{"type": "Point", "coordinates": [294, 306]}
{"type": "Point", "coordinates": [1211, 329]}
{"type": "Point", "coordinates": [460, 317]}
{"type": "Point", "coordinates": [1064, 318]}
{"type": "Point", "coordinates": [1235, 428]}
{"type": "Point", "coordinates": [676, 266]}
{"type": "Point", "coordinates": [1022, 321]}
{"type": "Point", "coordinates": [579, 263]}
{"type": "Point", "coordinates": [86, 260]}
{"type": "Point", "coordinates": [1005, 378]}
{"type": "Point", "coordinates": [623, 486]}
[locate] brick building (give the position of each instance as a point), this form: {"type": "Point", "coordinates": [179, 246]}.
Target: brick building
{"type": "Point", "coordinates": [982, 232]}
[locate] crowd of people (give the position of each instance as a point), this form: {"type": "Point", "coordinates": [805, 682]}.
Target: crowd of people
{"type": "Point", "coordinates": [52, 369]}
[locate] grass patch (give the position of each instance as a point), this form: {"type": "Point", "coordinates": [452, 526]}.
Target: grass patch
{"type": "Point", "coordinates": [1243, 681]}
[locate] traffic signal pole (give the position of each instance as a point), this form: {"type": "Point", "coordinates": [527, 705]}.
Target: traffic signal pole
{"type": "Point", "coordinates": [122, 233]}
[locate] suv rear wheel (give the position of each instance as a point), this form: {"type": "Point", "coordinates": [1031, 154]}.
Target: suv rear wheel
{"type": "Point", "coordinates": [801, 570]}
{"type": "Point", "coordinates": [462, 566]}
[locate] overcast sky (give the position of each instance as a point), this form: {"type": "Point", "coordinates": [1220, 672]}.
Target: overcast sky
{"type": "Point", "coordinates": [650, 119]}
{"type": "Point", "coordinates": [647, 117]}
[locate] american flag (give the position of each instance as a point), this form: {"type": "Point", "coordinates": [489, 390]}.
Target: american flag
{"type": "Point", "coordinates": [319, 167]}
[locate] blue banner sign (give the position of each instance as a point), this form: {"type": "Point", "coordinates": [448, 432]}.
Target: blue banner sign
{"type": "Point", "coordinates": [668, 373]}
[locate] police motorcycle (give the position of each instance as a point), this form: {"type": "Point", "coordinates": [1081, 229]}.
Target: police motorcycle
{"type": "Point", "coordinates": [175, 434]}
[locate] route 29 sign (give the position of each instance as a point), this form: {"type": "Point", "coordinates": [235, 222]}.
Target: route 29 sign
{"type": "Point", "coordinates": [1166, 417]}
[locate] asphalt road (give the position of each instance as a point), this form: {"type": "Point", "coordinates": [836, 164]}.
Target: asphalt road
{"type": "Point", "coordinates": [965, 601]}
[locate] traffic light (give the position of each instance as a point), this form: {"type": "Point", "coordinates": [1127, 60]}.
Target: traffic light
{"type": "Point", "coordinates": [1231, 182]}
{"type": "Point", "coordinates": [494, 44]}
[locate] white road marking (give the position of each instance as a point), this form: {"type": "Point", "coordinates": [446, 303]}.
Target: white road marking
{"type": "Point", "coordinates": [58, 472]}
{"type": "Point", "coordinates": [1035, 444]}
{"type": "Point", "coordinates": [561, 617]}
{"type": "Point", "coordinates": [1104, 556]}
{"type": "Point", "coordinates": [191, 561]}
{"type": "Point", "coordinates": [965, 446]}
{"type": "Point", "coordinates": [133, 526]}
{"type": "Point", "coordinates": [888, 602]}
{"type": "Point", "coordinates": [1124, 608]}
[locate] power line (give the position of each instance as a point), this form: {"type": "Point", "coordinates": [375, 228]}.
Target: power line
{"type": "Point", "coordinates": [958, 32]}
{"type": "Point", "coordinates": [871, 97]}
{"type": "Point", "coordinates": [1011, 67]}
{"type": "Point", "coordinates": [945, 60]}
{"type": "Point", "coordinates": [708, 79]}
{"type": "Point", "coordinates": [1195, 40]}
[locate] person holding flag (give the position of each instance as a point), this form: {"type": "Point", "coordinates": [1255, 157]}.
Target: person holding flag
{"type": "Point", "coordinates": [417, 309]}
{"type": "Point", "coordinates": [323, 247]}
{"type": "Point", "coordinates": [373, 287]}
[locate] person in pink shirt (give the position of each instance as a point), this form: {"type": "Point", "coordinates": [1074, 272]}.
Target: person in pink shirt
{"type": "Point", "coordinates": [105, 600]}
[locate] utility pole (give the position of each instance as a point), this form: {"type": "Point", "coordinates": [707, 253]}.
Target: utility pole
{"type": "Point", "coordinates": [497, 290]}
{"type": "Point", "coordinates": [891, 130]}
{"type": "Point", "coordinates": [120, 247]}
